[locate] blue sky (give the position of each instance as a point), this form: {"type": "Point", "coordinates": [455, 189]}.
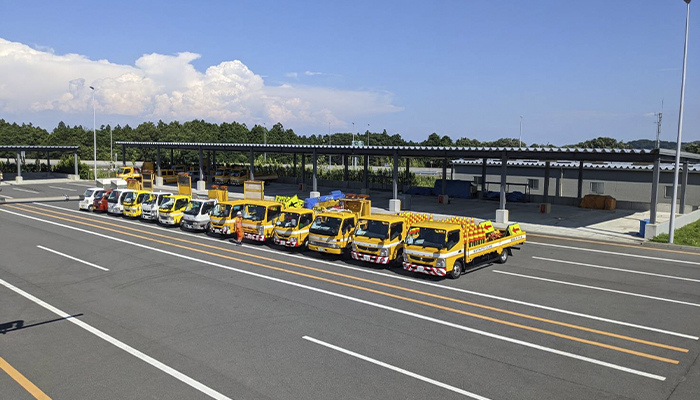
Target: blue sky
{"type": "Point", "coordinates": [574, 70]}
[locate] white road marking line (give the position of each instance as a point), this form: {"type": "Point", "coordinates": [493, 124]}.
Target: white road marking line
{"type": "Point", "coordinates": [616, 253]}
{"type": "Point", "coordinates": [358, 300]}
{"type": "Point", "coordinates": [6, 197]}
{"type": "Point", "coordinates": [24, 190]}
{"type": "Point", "coordinates": [631, 271]}
{"type": "Point", "coordinates": [600, 288]}
{"type": "Point", "coordinates": [73, 258]}
{"type": "Point", "coordinates": [60, 188]}
{"type": "Point", "coordinates": [150, 360]}
{"type": "Point", "coordinates": [403, 278]}
{"type": "Point", "coordinates": [79, 184]}
{"type": "Point", "coordinates": [397, 369]}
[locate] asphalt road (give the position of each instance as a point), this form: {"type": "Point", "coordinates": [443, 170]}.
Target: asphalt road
{"type": "Point", "coordinates": [182, 315]}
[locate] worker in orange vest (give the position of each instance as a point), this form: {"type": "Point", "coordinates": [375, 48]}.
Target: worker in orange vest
{"type": "Point", "coordinates": [239, 228]}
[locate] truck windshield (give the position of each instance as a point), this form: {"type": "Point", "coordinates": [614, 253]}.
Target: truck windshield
{"type": "Point", "coordinates": [325, 226]}
{"type": "Point", "coordinates": [221, 211]}
{"type": "Point", "coordinates": [123, 170]}
{"type": "Point", "coordinates": [168, 203]}
{"type": "Point", "coordinates": [373, 229]}
{"type": "Point", "coordinates": [99, 194]}
{"type": "Point", "coordinates": [237, 173]}
{"type": "Point", "coordinates": [143, 197]}
{"type": "Point", "coordinates": [219, 173]}
{"type": "Point", "coordinates": [288, 220]}
{"type": "Point", "coordinates": [88, 193]}
{"type": "Point", "coordinates": [113, 197]}
{"type": "Point", "coordinates": [193, 208]}
{"type": "Point", "coordinates": [427, 237]}
{"type": "Point", "coordinates": [254, 213]}
{"type": "Point", "coordinates": [129, 197]}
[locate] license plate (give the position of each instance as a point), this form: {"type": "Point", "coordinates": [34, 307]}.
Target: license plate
{"type": "Point", "coordinates": [188, 226]}
{"type": "Point", "coordinates": [321, 249]}
{"type": "Point", "coordinates": [420, 269]}
{"type": "Point", "coordinates": [365, 257]}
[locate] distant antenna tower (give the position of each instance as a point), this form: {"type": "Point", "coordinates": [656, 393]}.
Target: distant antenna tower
{"type": "Point", "coordinates": [659, 117]}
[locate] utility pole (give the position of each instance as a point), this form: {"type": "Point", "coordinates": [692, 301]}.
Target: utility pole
{"type": "Point", "coordinates": [330, 159]}
{"type": "Point", "coordinates": [521, 133]}
{"type": "Point", "coordinates": [94, 132]}
{"type": "Point", "coordinates": [659, 116]}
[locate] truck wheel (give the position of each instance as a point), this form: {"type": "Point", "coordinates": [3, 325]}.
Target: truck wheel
{"type": "Point", "coordinates": [503, 257]}
{"type": "Point", "coordinates": [456, 270]}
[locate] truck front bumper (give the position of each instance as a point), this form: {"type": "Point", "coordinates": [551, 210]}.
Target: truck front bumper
{"type": "Point", "coordinates": [424, 269]}
{"type": "Point", "coordinates": [370, 258]}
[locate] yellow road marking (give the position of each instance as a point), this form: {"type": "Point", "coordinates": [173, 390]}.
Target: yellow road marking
{"type": "Point", "coordinates": [24, 382]}
{"type": "Point", "coordinates": [614, 244]}
{"type": "Point", "coordinates": [386, 294]}
{"type": "Point", "coordinates": [477, 305]}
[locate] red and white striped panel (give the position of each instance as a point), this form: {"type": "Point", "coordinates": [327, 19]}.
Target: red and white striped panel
{"type": "Point", "coordinates": [425, 269]}
{"type": "Point", "coordinates": [370, 258]}
{"type": "Point", "coordinates": [257, 238]}
{"type": "Point", "coordinates": [285, 243]}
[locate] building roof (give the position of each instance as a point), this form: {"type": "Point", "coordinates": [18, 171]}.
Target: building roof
{"type": "Point", "coordinates": [553, 153]}
{"type": "Point", "coordinates": [574, 165]}
{"type": "Point", "coordinates": [37, 148]}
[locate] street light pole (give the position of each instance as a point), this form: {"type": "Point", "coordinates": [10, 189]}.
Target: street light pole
{"type": "Point", "coordinates": [94, 132]}
{"type": "Point", "coordinates": [674, 197]}
{"type": "Point", "coordinates": [521, 132]}
{"type": "Point", "coordinates": [265, 140]}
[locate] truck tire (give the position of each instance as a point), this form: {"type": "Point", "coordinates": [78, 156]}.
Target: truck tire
{"type": "Point", "coordinates": [503, 257]}
{"type": "Point", "coordinates": [456, 270]}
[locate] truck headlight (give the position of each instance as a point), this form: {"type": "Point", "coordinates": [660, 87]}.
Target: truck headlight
{"type": "Point", "coordinates": [440, 263]}
{"type": "Point", "coordinates": [261, 230]}
{"type": "Point", "coordinates": [405, 257]}
{"type": "Point", "coordinates": [354, 247]}
{"type": "Point", "coordinates": [384, 253]}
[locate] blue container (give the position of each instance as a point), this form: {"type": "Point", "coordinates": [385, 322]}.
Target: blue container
{"type": "Point", "coordinates": [642, 226]}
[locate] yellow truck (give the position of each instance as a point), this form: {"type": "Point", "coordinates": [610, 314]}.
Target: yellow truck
{"type": "Point", "coordinates": [332, 230]}
{"type": "Point", "coordinates": [449, 247]}
{"type": "Point", "coordinates": [379, 238]}
{"type": "Point", "coordinates": [222, 175]}
{"type": "Point", "coordinates": [132, 202]}
{"type": "Point", "coordinates": [127, 172]}
{"type": "Point", "coordinates": [292, 227]}
{"type": "Point", "coordinates": [171, 210]}
{"type": "Point", "coordinates": [258, 219]}
{"type": "Point", "coordinates": [223, 217]}
{"type": "Point", "coordinates": [238, 175]}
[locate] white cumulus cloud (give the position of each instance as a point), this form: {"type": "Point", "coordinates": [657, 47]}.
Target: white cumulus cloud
{"type": "Point", "coordinates": [169, 87]}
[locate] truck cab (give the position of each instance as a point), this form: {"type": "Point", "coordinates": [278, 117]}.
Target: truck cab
{"type": "Point", "coordinates": [292, 227]}
{"type": "Point", "coordinates": [379, 239]}
{"type": "Point", "coordinates": [223, 216]}
{"type": "Point", "coordinates": [133, 201]}
{"type": "Point", "coordinates": [149, 208]}
{"type": "Point", "coordinates": [442, 248]}
{"type": "Point", "coordinates": [258, 219]}
{"type": "Point", "coordinates": [168, 175]}
{"type": "Point", "coordinates": [87, 203]}
{"type": "Point", "coordinates": [196, 215]}
{"type": "Point", "coordinates": [331, 232]}
{"type": "Point", "coordinates": [222, 175]}
{"type": "Point", "coordinates": [171, 210]}
{"type": "Point", "coordinates": [115, 201]}
{"type": "Point", "coordinates": [238, 176]}
{"type": "Point", "coordinates": [127, 172]}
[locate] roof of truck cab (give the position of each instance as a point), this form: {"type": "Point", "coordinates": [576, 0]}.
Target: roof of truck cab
{"type": "Point", "coordinates": [337, 214]}
{"type": "Point", "coordinates": [435, 225]}
{"type": "Point", "coordinates": [179, 196]}
{"type": "Point", "coordinates": [265, 203]}
{"type": "Point", "coordinates": [297, 210]}
{"type": "Point", "coordinates": [384, 218]}
{"type": "Point", "coordinates": [233, 202]}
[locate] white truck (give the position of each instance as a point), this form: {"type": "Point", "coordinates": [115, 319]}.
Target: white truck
{"type": "Point", "coordinates": [196, 215]}
{"type": "Point", "coordinates": [89, 197]}
{"type": "Point", "coordinates": [149, 209]}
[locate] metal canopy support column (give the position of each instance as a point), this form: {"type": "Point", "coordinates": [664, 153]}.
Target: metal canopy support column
{"type": "Point", "coordinates": [314, 178]}
{"type": "Point", "coordinates": [158, 161]}
{"type": "Point", "coordinates": [209, 165]}
{"type": "Point", "coordinates": [123, 156]}
{"type": "Point", "coordinates": [48, 164]}
{"type": "Point", "coordinates": [444, 176]}
{"type": "Point", "coordinates": [252, 165]}
{"type": "Point", "coordinates": [684, 183]}
{"type": "Point", "coordinates": [580, 180]}
{"type": "Point", "coordinates": [483, 178]}
{"type": "Point", "coordinates": [75, 162]}
{"type": "Point", "coordinates": [294, 169]}
{"type": "Point", "coordinates": [303, 168]}
{"type": "Point", "coordinates": [546, 182]}
{"type": "Point", "coordinates": [346, 168]}
{"type": "Point", "coordinates": [172, 158]}
{"type": "Point", "coordinates": [504, 174]}
{"type": "Point", "coordinates": [201, 165]}
{"type": "Point", "coordinates": [396, 175]}
{"type": "Point", "coordinates": [408, 172]}
{"type": "Point", "coordinates": [19, 165]}
{"type": "Point", "coordinates": [365, 176]}
{"type": "Point", "coordinates": [654, 191]}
